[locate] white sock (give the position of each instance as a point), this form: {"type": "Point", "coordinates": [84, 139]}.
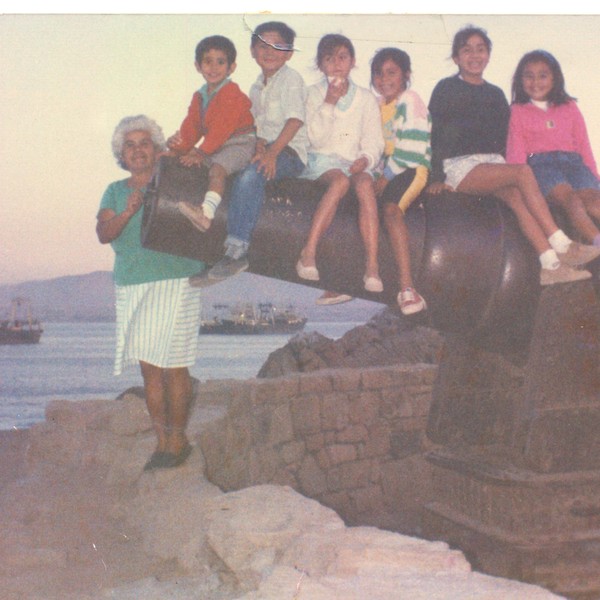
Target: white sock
{"type": "Point", "coordinates": [211, 201]}
{"type": "Point", "coordinates": [560, 241]}
{"type": "Point", "coordinates": [549, 260]}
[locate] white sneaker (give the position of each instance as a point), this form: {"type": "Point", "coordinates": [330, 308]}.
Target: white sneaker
{"type": "Point", "coordinates": [579, 254]}
{"type": "Point", "coordinates": [411, 301]}
{"type": "Point", "coordinates": [563, 274]}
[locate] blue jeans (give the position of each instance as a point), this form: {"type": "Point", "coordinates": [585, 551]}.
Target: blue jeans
{"type": "Point", "coordinates": [247, 196]}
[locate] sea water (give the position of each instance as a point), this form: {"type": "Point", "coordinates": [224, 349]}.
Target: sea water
{"type": "Point", "coordinates": [74, 361]}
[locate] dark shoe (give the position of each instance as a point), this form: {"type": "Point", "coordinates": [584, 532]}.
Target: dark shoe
{"type": "Point", "coordinates": [174, 460]}
{"type": "Point", "coordinates": [228, 267]}
{"type": "Point", "coordinates": [201, 279]}
{"type": "Point", "coordinates": [155, 461]}
{"type": "Point", "coordinates": [579, 254]}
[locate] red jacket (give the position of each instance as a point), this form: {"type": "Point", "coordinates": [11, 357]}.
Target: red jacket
{"type": "Point", "coordinates": [228, 114]}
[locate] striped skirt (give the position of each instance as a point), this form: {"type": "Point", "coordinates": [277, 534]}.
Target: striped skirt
{"type": "Point", "coordinates": [158, 323]}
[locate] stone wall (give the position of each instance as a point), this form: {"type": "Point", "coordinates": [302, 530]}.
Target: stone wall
{"type": "Point", "coordinates": [353, 439]}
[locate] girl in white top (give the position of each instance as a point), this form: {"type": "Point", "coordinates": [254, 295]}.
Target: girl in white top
{"type": "Point", "coordinates": [346, 143]}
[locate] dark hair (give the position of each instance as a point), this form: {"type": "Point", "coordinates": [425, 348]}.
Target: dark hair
{"type": "Point", "coordinates": [462, 37]}
{"type": "Point", "coordinates": [216, 42]}
{"type": "Point", "coordinates": [328, 43]}
{"type": "Point", "coordinates": [397, 56]}
{"type": "Point", "coordinates": [557, 95]}
{"type": "Point", "coordinates": [288, 35]}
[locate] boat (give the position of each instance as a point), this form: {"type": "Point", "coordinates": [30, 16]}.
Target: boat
{"type": "Point", "coordinates": [20, 327]}
{"type": "Point", "coordinates": [263, 318]}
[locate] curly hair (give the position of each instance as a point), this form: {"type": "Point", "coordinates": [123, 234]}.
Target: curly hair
{"type": "Point", "coordinates": [135, 123]}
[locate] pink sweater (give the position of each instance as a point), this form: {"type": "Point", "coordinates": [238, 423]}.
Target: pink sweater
{"type": "Point", "coordinates": [560, 128]}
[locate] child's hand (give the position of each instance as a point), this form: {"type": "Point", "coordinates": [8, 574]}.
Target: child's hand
{"type": "Point", "coordinates": [174, 140]}
{"type": "Point", "coordinates": [267, 163]}
{"type": "Point", "coordinates": [380, 185]}
{"type": "Point", "coordinates": [437, 187]}
{"type": "Point", "coordinates": [192, 158]}
{"type": "Point", "coordinates": [359, 165]}
{"type": "Point", "coordinates": [336, 89]}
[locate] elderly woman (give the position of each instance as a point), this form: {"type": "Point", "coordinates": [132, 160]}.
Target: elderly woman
{"type": "Point", "coordinates": [158, 312]}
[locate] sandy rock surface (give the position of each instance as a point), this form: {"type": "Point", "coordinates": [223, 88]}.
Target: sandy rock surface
{"type": "Point", "coordinates": [80, 521]}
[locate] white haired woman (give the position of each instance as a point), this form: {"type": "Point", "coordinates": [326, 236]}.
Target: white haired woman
{"type": "Point", "coordinates": [158, 312]}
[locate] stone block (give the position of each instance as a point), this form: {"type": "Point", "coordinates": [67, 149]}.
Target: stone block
{"type": "Point", "coordinates": [394, 405]}
{"type": "Point", "coordinates": [292, 452]}
{"type": "Point", "coordinates": [363, 407]}
{"type": "Point", "coordinates": [334, 412]}
{"type": "Point", "coordinates": [350, 475]}
{"type": "Point", "coordinates": [368, 499]}
{"type": "Point", "coordinates": [346, 380]}
{"type": "Point", "coordinates": [353, 434]}
{"type": "Point", "coordinates": [378, 378]}
{"type": "Point", "coordinates": [319, 382]}
{"type": "Point", "coordinates": [268, 390]}
{"type": "Point", "coordinates": [306, 414]}
{"type": "Point", "coordinates": [311, 478]}
{"type": "Point", "coordinates": [341, 453]}
{"type": "Point", "coordinates": [378, 441]}
{"type": "Point", "coordinates": [314, 441]}
{"type": "Point", "coordinates": [281, 429]}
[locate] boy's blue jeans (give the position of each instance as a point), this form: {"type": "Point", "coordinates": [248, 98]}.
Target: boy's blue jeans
{"type": "Point", "coordinates": [246, 199]}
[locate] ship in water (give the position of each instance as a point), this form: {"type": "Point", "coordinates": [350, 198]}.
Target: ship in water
{"type": "Point", "coordinates": [20, 327]}
{"type": "Point", "coordinates": [253, 319]}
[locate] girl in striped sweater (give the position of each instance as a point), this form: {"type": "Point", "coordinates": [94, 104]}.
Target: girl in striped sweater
{"type": "Point", "coordinates": [406, 162]}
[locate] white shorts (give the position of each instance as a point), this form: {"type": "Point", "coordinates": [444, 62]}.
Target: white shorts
{"type": "Point", "coordinates": [158, 323]}
{"type": "Point", "coordinates": [458, 167]}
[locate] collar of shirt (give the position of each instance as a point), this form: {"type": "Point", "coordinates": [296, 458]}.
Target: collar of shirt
{"type": "Point", "coordinates": [206, 96]}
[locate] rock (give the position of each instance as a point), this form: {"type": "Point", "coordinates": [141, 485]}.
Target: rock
{"type": "Point", "coordinates": [388, 338]}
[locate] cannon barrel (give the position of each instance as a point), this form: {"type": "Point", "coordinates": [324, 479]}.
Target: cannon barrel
{"type": "Point", "coordinates": [470, 261]}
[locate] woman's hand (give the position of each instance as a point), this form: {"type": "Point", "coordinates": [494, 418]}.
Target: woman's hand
{"type": "Point", "coordinates": [134, 202]}
{"type": "Point", "coordinates": [437, 187]}
{"type": "Point", "coordinates": [359, 165]}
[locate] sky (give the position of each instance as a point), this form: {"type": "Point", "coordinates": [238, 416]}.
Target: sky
{"type": "Point", "coordinates": [67, 79]}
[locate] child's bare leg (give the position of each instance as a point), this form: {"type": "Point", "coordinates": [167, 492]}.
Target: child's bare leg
{"type": "Point", "coordinates": [368, 221]}
{"type": "Point", "coordinates": [490, 178]}
{"type": "Point", "coordinates": [572, 203]}
{"type": "Point", "coordinates": [337, 187]}
{"type": "Point", "coordinates": [216, 179]}
{"type": "Point", "coordinates": [398, 236]}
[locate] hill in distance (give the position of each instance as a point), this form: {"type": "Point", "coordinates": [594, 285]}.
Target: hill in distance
{"type": "Point", "coordinates": [90, 297]}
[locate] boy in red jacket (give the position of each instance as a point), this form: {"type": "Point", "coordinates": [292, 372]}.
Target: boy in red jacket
{"type": "Point", "coordinates": [220, 116]}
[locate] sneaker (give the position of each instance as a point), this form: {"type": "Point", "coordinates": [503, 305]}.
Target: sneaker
{"type": "Point", "coordinates": [329, 298]}
{"type": "Point", "coordinates": [195, 215]}
{"type": "Point", "coordinates": [579, 254]}
{"type": "Point", "coordinates": [411, 301]}
{"type": "Point", "coordinates": [228, 267]}
{"type": "Point", "coordinates": [564, 274]}
{"type": "Point", "coordinates": [373, 284]}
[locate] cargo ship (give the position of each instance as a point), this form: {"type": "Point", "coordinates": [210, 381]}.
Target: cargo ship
{"type": "Point", "coordinates": [20, 327]}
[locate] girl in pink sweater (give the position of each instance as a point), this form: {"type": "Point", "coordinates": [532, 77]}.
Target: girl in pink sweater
{"type": "Point", "coordinates": [548, 132]}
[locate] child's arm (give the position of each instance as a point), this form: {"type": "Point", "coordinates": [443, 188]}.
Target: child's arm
{"type": "Point", "coordinates": [267, 160]}
{"type": "Point", "coordinates": [371, 136]}
{"type": "Point", "coordinates": [516, 151]}
{"type": "Point", "coordinates": [190, 131]}
{"type": "Point", "coordinates": [583, 142]}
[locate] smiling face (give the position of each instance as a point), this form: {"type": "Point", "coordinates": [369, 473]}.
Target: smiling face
{"type": "Point", "coordinates": [139, 153]}
{"type": "Point", "coordinates": [390, 81]}
{"type": "Point", "coordinates": [215, 68]}
{"type": "Point", "coordinates": [269, 59]}
{"type": "Point", "coordinates": [338, 64]}
{"type": "Point", "coordinates": [537, 80]}
{"type": "Point", "coordinates": [472, 59]}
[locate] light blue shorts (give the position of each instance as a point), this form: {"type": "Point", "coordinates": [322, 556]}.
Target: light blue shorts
{"type": "Point", "coordinates": [458, 167]}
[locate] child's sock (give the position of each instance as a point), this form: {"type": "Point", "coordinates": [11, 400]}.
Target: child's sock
{"type": "Point", "coordinates": [549, 260]}
{"type": "Point", "coordinates": [596, 240]}
{"type": "Point", "coordinates": [209, 206]}
{"type": "Point", "coordinates": [559, 241]}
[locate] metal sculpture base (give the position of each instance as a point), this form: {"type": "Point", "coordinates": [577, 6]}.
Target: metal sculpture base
{"type": "Point", "coordinates": [517, 473]}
